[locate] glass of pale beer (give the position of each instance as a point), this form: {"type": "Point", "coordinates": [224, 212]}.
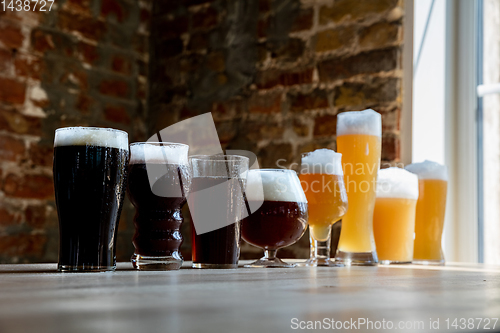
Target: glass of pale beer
{"type": "Point", "coordinates": [359, 142]}
{"type": "Point", "coordinates": [431, 206]}
{"type": "Point", "coordinates": [394, 215]}
{"type": "Point", "coordinates": [322, 179]}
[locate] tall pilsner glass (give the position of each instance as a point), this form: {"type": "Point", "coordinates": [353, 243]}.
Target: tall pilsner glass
{"type": "Point", "coordinates": [359, 142]}
{"type": "Point", "coordinates": [431, 206]}
{"type": "Point", "coordinates": [90, 166]}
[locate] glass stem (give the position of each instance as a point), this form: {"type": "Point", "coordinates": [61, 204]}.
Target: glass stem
{"type": "Point", "coordinates": [320, 249]}
{"type": "Point", "coordinates": [270, 254]}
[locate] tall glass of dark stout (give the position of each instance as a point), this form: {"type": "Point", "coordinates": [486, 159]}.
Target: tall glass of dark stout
{"type": "Point", "coordinates": [282, 218]}
{"type": "Point", "coordinates": [158, 184]}
{"type": "Point", "coordinates": [217, 203]}
{"type": "Point", "coordinates": [90, 166]}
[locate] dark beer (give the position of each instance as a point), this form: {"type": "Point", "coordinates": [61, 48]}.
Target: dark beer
{"type": "Point", "coordinates": [158, 217]}
{"type": "Point", "coordinates": [89, 179]}
{"type": "Point", "coordinates": [275, 224]}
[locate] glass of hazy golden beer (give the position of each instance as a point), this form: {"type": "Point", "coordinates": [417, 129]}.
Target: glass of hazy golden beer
{"type": "Point", "coordinates": [322, 179]}
{"type": "Point", "coordinates": [431, 206]}
{"type": "Point", "coordinates": [359, 142]}
{"type": "Point", "coordinates": [394, 215]}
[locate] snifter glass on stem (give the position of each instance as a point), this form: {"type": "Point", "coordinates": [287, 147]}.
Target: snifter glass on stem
{"type": "Point", "coordinates": [158, 185]}
{"type": "Point", "coordinates": [322, 179]}
{"type": "Point", "coordinates": [281, 220]}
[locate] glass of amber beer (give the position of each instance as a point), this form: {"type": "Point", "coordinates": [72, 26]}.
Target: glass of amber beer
{"type": "Point", "coordinates": [90, 166]}
{"type": "Point", "coordinates": [359, 142]}
{"type": "Point", "coordinates": [431, 206]}
{"type": "Point", "coordinates": [281, 220]}
{"type": "Point", "coordinates": [394, 215]}
{"type": "Point", "coordinates": [158, 185]}
{"type": "Point", "coordinates": [322, 179]}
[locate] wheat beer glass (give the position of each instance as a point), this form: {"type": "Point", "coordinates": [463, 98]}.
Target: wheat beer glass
{"type": "Point", "coordinates": [431, 206]}
{"type": "Point", "coordinates": [281, 220]}
{"type": "Point", "coordinates": [158, 184]}
{"type": "Point", "coordinates": [90, 165]}
{"type": "Point", "coordinates": [217, 205]}
{"type": "Point", "coordinates": [359, 142]}
{"type": "Point", "coordinates": [394, 215]}
{"type": "Point", "coordinates": [322, 179]}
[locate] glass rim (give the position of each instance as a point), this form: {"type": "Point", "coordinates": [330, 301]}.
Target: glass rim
{"type": "Point", "coordinates": [274, 170]}
{"type": "Point", "coordinates": [158, 143]}
{"type": "Point", "coordinates": [219, 158]}
{"type": "Point", "coordinates": [91, 128]}
{"type": "Point", "coordinates": [309, 152]}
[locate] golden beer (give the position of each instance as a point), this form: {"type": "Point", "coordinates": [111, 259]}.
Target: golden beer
{"type": "Point", "coordinates": [430, 213]}
{"type": "Point", "coordinates": [394, 215]}
{"type": "Point", "coordinates": [359, 141]}
{"type": "Point", "coordinates": [322, 179]}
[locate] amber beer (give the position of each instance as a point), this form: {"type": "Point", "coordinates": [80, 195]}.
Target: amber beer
{"type": "Point", "coordinates": [394, 215]}
{"type": "Point", "coordinates": [359, 142]}
{"type": "Point", "coordinates": [89, 180]}
{"type": "Point", "coordinates": [322, 179]}
{"type": "Point", "coordinates": [431, 207]}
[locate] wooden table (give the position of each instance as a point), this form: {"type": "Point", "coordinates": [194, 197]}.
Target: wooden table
{"type": "Point", "coordinates": [35, 298]}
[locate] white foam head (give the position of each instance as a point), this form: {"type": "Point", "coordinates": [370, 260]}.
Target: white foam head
{"type": "Point", "coordinates": [91, 136]}
{"type": "Point", "coordinates": [397, 183]}
{"type": "Point", "coordinates": [324, 161]}
{"type": "Point", "coordinates": [158, 153]}
{"type": "Point", "coordinates": [368, 122]}
{"type": "Point", "coordinates": [429, 170]}
{"type": "Point", "coordinates": [274, 185]}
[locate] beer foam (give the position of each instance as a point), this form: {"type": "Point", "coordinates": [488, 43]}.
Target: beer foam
{"type": "Point", "coordinates": [397, 183]}
{"type": "Point", "coordinates": [325, 161]}
{"type": "Point", "coordinates": [274, 185]}
{"type": "Point", "coordinates": [91, 136]}
{"type": "Point", "coordinates": [368, 122]}
{"type": "Point", "coordinates": [429, 170]}
{"type": "Point", "coordinates": [153, 152]}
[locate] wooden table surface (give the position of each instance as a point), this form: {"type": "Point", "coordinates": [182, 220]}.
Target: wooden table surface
{"type": "Point", "coordinates": [36, 298]}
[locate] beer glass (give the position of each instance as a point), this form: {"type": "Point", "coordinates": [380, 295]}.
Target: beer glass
{"type": "Point", "coordinates": [322, 179]}
{"type": "Point", "coordinates": [359, 142]}
{"type": "Point", "coordinates": [431, 206]}
{"type": "Point", "coordinates": [90, 166]}
{"type": "Point", "coordinates": [217, 203]}
{"type": "Point", "coordinates": [394, 215]}
{"type": "Point", "coordinates": [158, 184]}
{"type": "Point", "coordinates": [282, 218]}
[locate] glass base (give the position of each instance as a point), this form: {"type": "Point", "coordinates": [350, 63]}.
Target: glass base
{"type": "Point", "coordinates": [323, 262]}
{"type": "Point", "coordinates": [270, 263]}
{"type": "Point", "coordinates": [85, 268]}
{"type": "Point", "coordinates": [146, 263]}
{"type": "Point", "coordinates": [214, 266]}
{"type": "Point", "coordinates": [394, 262]}
{"type": "Point", "coordinates": [439, 262]}
{"type": "Point", "coordinates": [357, 258]}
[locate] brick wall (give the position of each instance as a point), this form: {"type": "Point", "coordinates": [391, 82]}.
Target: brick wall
{"type": "Point", "coordinates": [83, 63]}
{"type": "Point", "coordinates": [275, 73]}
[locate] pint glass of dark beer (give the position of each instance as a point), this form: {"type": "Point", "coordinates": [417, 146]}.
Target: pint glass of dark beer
{"type": "Point", "coordinates": [217, 203]}
{"type": "Point", "coordinates": [89, 178]}
{"type": "Point", "coordinates": [158, 184]}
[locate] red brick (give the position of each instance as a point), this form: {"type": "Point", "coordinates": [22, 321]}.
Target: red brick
{"type": "Point", "coordinates": [78, 5]}
{"type": "Point", "coordinates": [11, 35]}
{"type": "Point", "coordinates": [13, 121]}
{"type": "Point", "coordinates": [290, 50]}
{"type": "Point", "coordinates": [84, 25]}
{"type": "Point", "coordinates": [5, 60]}
{"type": "Point", "coordinates": [28, 67]}
{"type": "Point", "coordinates": [304, 20]}
{"type": "Point", "coordinates": [167, 29]}
{"type": "Point", "coordinates": [145, 16]}
{"type": "Point", "coordinates": [270, 155]}
{"type": "Point", "coordinates": [256, 131]}
{"type": "Point", "coordinates": [330, 40]}
{"type": "Point", "coordinates": [264, 6]}
{"type": "Point", "coordinates": [113, 8]}
{"type": "Point", "coordinates": [115, 88]}
{"type": "Point", "coordinates": [116, 114]}
{"type": "Point", "coordinates": [300, 129]}
{"type": "Point", "coordinates": [325, 126]}
{"type": "Point", "coordinates": [353, 10]}
{"type": "Point", "coordinates": [42, 41]}
{"type": "Point", "coordinates": [265, 103]}
{"type": "Point", "coordinates": [379, 35]}
{"type": "Point", "coordinates": [198, 42]}
{"type": "Point", "coordinates": [35, 216]}
{"type": "Point", "coordinates": [263, 26]}
{"type": "Point", "coordinates": [369, 93]}
{"type": "Point", "coordinates": [390, 148]}
{"type": "Point", "coordinates": [22, 245]}
{"type": "Point", "coordinates": [206, 18]}
{"type": "Point", "coordinates": [75, 76]}
{"type": "Point", "coordinates": [8, 218]}
{"type": "Point", "coordinates": [29, 186]}
{"type": "Point", "coordinates": [12, 91]}
{"type": "Point", "coordinates": [41, 155]}
{"type": "Point", "coordinates": [11, 149]}
{"type": "Point", "coordinates": [271, 78]}
{"type": "Point", "coordinates": [316, 99]}
{"type": "Point", "coordinates": [88, 52]}
{"type": "Point", "coordinates": [121, 64]}
{"type": "Point", "coordinates": [84, 104]}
